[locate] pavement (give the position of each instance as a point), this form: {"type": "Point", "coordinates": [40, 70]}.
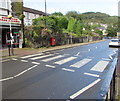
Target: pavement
{"type": "Point", "coordinates": [27, 51]}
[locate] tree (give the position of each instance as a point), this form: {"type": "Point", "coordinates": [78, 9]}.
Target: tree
{"type": "Point", "coordinates": [71, 24]}
{"type": "Point", "coordinates": [57, 14]}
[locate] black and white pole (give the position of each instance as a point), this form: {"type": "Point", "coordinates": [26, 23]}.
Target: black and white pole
{"type": "Point", "coordinates": [11, 36]}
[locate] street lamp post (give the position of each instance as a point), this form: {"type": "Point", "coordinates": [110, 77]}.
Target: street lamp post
{"type": "Point", "coordinates": [45, 14]}
{"type": "Point", "coordinates": [11, 36]}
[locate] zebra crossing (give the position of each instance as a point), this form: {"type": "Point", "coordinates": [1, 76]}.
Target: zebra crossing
{"type": "Point", "coordinates": [61, 59]}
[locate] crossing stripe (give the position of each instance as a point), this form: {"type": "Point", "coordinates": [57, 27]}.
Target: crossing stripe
{"type": "Point", "coordinates": [100, 66]}
{"type": "Point", "coordinates": [28, 56]}
{"type": "Point", "coordinates": [50, 59]}
{"type": "Point", "coordinates": [69, 70]}
{"type": "Point", "coordinates": [91, 74]}
{"type": "Point", "coordinates": [65, 60]}
{"type": "Point", "coordinates": [40, 57]}
{"type": "Point", "coordinates": [81, 63]}
{"type": "Point", "coordinates": [84, 89]}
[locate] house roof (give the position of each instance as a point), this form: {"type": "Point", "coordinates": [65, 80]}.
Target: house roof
{"type": "Point", "coordinates": [30, 10]}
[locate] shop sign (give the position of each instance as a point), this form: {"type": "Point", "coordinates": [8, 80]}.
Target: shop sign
{"type": "Point", "coordinates": [7, 20]}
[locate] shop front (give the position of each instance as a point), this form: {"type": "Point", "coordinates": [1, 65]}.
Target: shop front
{"type": "Point", "coordinates": [5, 34]}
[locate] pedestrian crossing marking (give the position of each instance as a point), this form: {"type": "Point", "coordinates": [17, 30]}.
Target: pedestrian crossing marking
{"type": "Point", "coordinates": [50, 66]}
{"type": "Point", "coordinates": [28, 56]}
{"type": "Point", "coordinates": [65, 60]}
{"type": "Point", "coordinates": [100, 66]}
{"type": "Point", "coordinates": [81, 63]}
{"type": "Point", "coordinates": [40, 57]}
{"type": "Point", "coordinates": [53, 58]}
{"type": "Point", "coordinates": [69, 70]}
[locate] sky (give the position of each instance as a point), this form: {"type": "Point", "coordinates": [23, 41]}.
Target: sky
{"type": "Point", "coordinates": [104, 6]}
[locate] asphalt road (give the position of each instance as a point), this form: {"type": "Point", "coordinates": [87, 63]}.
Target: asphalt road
{"type": "Point", "coordinates": [72, 73]}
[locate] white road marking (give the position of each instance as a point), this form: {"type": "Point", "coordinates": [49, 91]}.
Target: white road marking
{"type": "Point", "coordinates": [25, 71]}
{"type": "Point", "coordinates": [89, 50]}
{"type": "Point", "coordinates": [91, 74]}
{"type": "Point", "coordinates": [36, 63]}
{"type": "Point", "coordinates": [65, 60]}
{"type": "Point", "coordinates": [53, 58]}
{"type": "Point", "coordinates": [106, 59]}
{"type": "Point", "coordinates": [39, 57]}
{"type": "Point", "coordinates": [100, 66]}
{"type": "Point", "coordinates": [28, 56]}
{"type": "Point", "coordinates": [69, 70]}
{"type": "Point", "coordinates": [14, 59]}
{"type": "Point", "coordinates": [9, 78]}
{"type": "Point", "coordinates": [96, 47]}
{"type": "Point", "coordinates": [84, 89]}
{"type": "Point", "coordinates": [5, 60]}
{"type": "Point", "coordinates": [50, 66]}
{"type": "Point", "coordinates": [24, 60]}
{"type": "Point", "coordinates": [81, 63]}
{"type": "Point", "coordinates": [77, 54]}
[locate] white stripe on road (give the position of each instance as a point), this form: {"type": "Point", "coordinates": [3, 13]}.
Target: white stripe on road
{"type": "Point", "coordinates": [14, 59]}
{"type": "Point", "coordinates": [25, 71]}
{"type": "Point", "coordinates": [50, 66]}
{"type": "Point", "coordinates": [50, 59]}
{"type": "Point", "coordinates": [40, 57]}
{"type": "Point", "coordinates": [28, 56]}
{"type": "Point", "coordinates": [91, 74]}
{"type": "Point", "coordinates": [100, 66]}
{"type": "Point", "coordinates": [5, 60]}
{"type": "Point", "coordinates": [77, 54]}
{"type": "Point", "coordinates": [69, 70]}
{"type": "Point", "coordinates": [19, 74]}
{"type": "Point", "coordinates": [9, 78]}
{"type": "Point", "coordinates": [36, 63]}
{"type": "Point", "coordinates": [84, 89]}
{"type": "Point", "coordinates": [24, 60]}
{"type": "Point", "coordinates": [65, 60]}
{"type": "Point", "coordinates": [81, 63]}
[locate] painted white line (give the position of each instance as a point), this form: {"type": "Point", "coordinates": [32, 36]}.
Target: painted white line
{"type": "Point", "coordinates": [69, 70]}
{"type": "Point", "coordinates": [36, 63]}
{"type": "Point", "coordinates": [9, 78]}
{"type": "Point", "coordinates": [14, 59]}
{"type": "Point", "coordinates": [39, 57]}
{"type": "Point", "coordinates": [21, 73]}
{"type": "Point", "coordinates": [65, 60]}
{"type": "Point", "coordinates": [100, 66]}
{"type": "Point", "coordinates": [81, 63]}
{"type": "Point", "coordinates": [84, 89]}
{"type": "Point", "coordinates": [111, 57]}
{"type": "Point", "coordinates": [77, 54]}
{"type": "Point", "coordinates": [50, 66]}
{"type": "Point", "coordinates": [5, 60]}
{"type": "Point", "coordinates": [28, 56]}
{"type": "Point", "coordinates": [53, 58]}
{"type": "Point", "coordinates": [106, 59]}
{"type": "Point", "coordinates": [24, 60]}
{"type": "Point", "coordinates": [91, 74]}
{"type": "Point", "coordinates": [96, 47]}
{"type": "Point", "coordinates": [89, 50]}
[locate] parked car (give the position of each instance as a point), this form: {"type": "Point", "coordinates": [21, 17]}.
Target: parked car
{"type": "Point", "coordinates": [114, 42]}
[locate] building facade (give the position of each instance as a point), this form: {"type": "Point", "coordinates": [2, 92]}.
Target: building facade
{"type": "Point", "coordinates": [31, 14]}
{"type": "Point", "coordinates": [5, 23]}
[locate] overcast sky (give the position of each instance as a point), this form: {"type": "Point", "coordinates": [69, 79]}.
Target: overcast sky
{"type": "Point", "coordinates": [105, 6]}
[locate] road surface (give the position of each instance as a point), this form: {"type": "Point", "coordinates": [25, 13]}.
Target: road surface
{"type": "Point", "coordinates": [72, 73]}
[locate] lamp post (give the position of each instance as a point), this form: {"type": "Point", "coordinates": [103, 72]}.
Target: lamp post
{"type": "Point", "coordinates": [45, 14]}
{"type": "Point", "coordinates": [11, 36]}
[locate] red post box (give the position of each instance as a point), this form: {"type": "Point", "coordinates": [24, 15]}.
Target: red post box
{"type": "Point", "coordinates": [53, 41]}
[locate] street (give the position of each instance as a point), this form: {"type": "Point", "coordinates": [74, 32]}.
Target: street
{"type": "Point", "coordinates": [72, 73]}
